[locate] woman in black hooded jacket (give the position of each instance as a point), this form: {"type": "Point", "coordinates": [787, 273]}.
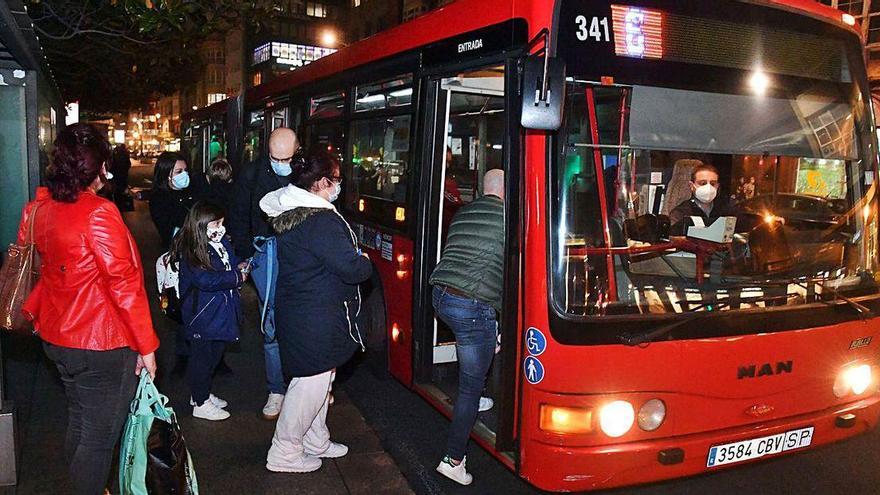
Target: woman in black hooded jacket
{"type": "Point", "coordinates": [317, 303]}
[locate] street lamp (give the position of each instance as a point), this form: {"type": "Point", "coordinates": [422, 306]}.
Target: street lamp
{"type": "Point", "coordinates": [329, 38]}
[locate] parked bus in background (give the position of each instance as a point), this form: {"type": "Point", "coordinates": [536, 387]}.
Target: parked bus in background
{"type": "Point", "coordinates": [630, 353]}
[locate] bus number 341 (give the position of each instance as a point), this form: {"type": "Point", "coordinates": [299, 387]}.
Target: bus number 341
{"type": "Point", "coordinates": [594, 31]}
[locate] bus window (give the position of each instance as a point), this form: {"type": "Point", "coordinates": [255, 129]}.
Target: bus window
{"type": "Point", "coordinates": [253, 137]}
{"type": "Point", "coordinates": [384, 95]}
{"type": "Point", "coordinates": [279, 118]}
{"type": "Point", "coordinates": [380, 159]}
{"type": "Point", "coordinates": [327, 136]}
{"type": "Point", "coordinates": [217, 143]}
{"type": "Point", "coordinates": [194, 142]}
{"type": "Point", "coordinates": [327, 106]}
{"type": "Point", "coordinates": [790, 216]}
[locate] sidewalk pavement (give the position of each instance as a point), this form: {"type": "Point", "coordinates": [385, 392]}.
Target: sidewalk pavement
{"type": "Point", "coordinates": [230, 455]}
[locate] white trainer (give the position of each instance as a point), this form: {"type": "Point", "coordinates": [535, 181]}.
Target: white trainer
{"type": "Point", "coordinates": [304, 464]}
{"type": "Point", "coordinates": [272, 409]}
{"type": "Point", "coordinates": [457, 474]}
{"type": "Point", "coordinates": [210, 411]}
{"type": "Point", "coordinates": [486, 404]}
{"type": "Point", "coordinates": [213, 398]}
{"type": "Point", "coordinates": [334, 451]}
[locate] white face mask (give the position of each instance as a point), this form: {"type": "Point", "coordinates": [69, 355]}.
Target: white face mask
{"type": "Point", "coordinates": [216, 234]}
{"type": "Point", "coordinates": [706, 193]}
{"type": "Point", "coordinates": [337, 189]}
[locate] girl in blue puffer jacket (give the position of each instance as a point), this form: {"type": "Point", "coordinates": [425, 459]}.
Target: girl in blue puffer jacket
{"type": "Point", "coordinates": [210, 279]}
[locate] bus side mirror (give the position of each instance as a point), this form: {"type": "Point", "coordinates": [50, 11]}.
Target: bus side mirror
{"type": "Point", "coordinates": [543, 93]}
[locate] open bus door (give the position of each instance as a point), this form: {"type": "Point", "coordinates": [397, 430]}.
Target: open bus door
{"type": "Point", "coordinates": [468, 130]}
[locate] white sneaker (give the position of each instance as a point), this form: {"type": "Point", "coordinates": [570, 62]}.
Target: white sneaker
{"type": "Point", "coordinates": [272, 409]}
{"type": "Point", "coordinates": [335, 451]}
{"type": "Point", "coordinates": [212, 398]}
{"type": "Point", "coordinates": [304, 464]}
{"type": "Point", "coordinates": [486, 404]}
{"type": "Point", "coordinates": [457, 474]}
{"type": "Point", "coordinates": [210, 411]}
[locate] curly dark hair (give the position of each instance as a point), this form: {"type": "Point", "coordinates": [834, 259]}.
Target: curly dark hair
{"type": "Point", "coordinates": [80, 151]}
{"type": "Point", "coordinates": [310, 168]}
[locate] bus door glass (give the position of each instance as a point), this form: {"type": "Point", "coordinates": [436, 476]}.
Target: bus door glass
{"type": "Point", "coordinates": [474, 123]}
{"type": "Point", "coordinates": [194, 143]}
{"type": "Point", "coordinates": [253, 137]}
{"type": "Point", "coordinates": [216, 142]}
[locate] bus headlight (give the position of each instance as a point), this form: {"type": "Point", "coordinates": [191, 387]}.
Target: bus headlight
{"type": "Point", "coordinates": [616, 418]}
{"type": "Point", "coordinates": [558, 419]}
{"type": "Point", "coordinates": [652, 414]}
{"type": "Point", "coordinates": [855, 379]}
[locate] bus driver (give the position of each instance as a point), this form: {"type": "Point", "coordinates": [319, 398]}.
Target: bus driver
{"type": "Point", "coordinates": [705, 202]}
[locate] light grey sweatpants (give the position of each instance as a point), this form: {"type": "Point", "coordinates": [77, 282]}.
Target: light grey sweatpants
{"type": "Point", "coordinates": [302, 425]}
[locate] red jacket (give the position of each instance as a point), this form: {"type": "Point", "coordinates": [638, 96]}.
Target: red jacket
{"type": "Point", "coordinates": [90, 294]}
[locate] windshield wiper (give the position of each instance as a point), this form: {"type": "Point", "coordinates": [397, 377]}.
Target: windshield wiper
{"type": "Point", "coordinates": [865, 313]}
{"type": "Point", "coordinates": [629, 339]}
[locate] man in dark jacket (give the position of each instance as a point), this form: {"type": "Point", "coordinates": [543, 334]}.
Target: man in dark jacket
{"type": "Point", "coordinates": [261, 177]}
{"type": "Point", "coordinates": [247, 221]}
{"type": "Point", "coordinates": [705, 203]}
{"type": "Point", "coordinates": [468, 282]}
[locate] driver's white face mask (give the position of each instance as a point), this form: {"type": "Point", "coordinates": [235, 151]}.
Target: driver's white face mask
{"type": "Point", "coordinates": [706, 193]}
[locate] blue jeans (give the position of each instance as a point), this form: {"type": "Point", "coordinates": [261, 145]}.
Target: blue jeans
{"type": "Point", "coordinates": [474, 324]}
{"type": "Point", "coordinates": [274, 375]}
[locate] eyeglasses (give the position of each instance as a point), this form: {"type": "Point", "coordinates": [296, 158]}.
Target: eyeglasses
{"type": "Point", "coordinates": [336, 178]}
{"type": "Point", "coordinates": [714, 183]}
{"type": "Point", "coordinates": [282, 160]}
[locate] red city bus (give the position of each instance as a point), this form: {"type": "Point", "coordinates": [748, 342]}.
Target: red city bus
{"type": "Point", "coordinates": [634, 349]}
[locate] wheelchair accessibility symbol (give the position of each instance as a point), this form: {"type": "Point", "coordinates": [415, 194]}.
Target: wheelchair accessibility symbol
{"type": "Point", "coordinates": [533, 369]}
{"type": "Point", "coordinates": [536, 343]}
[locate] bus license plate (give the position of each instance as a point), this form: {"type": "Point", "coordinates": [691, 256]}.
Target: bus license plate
{"type": "Point", "coordinates": [759, 447]}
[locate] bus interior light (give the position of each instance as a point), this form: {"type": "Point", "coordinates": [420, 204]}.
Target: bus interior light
{"type": "Point", "coordinates": [759, 82]}
{"type": "Point", "coordinates": [855, 379]}
{"type": "Point", "coordinates": [652, 414]}
{"type": "Point", "coordinates": [395, 333]}
{"type": "Point", "coordinates": [559, 419]}
{"type": "Point", "coordinates": [848, 19]}
{"type": "Point", "coordinates": [616, 418]}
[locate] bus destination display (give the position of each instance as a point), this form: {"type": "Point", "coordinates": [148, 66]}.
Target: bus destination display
{"type": "Point", "coordinates": [596, 37]}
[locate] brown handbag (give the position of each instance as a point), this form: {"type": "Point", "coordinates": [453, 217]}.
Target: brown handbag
{"type": "Point", "coordinates": [18, 276]}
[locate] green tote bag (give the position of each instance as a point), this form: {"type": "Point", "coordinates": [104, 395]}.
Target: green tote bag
{"type": "Point", "coordinates": [153, 458]}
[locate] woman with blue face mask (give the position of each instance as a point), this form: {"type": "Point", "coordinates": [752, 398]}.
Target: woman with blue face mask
{"type": "Point", "coordinates": [171, 199]}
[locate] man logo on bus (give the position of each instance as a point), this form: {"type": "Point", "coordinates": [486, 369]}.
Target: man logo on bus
{"type": "Point", "coordinates": [533, 369]}
{"type": "Point", "coordinates": [766, 369]}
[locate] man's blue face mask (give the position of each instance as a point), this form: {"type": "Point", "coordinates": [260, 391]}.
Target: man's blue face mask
{"type": "Point", "coordinates": [281, 169]}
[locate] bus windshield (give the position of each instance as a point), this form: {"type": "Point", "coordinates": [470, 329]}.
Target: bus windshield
{"type": "Point", "coordinates": [753, 197]}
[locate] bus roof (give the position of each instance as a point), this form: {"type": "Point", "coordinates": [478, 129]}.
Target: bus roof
{"type": "Point", "coordinates": [453, 19]}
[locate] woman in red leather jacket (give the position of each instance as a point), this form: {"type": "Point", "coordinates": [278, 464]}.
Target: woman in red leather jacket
{"type": "Point", "coordinates": [89, 306]}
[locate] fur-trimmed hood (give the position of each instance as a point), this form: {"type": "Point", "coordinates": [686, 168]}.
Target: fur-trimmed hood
{"type": "Point", "coordinates": [291, 218]}
{"type": "Point", "coordinates": [289, 206]}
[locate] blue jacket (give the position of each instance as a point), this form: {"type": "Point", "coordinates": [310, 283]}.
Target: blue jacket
{"type": "Point", "coordinates": [316, 297]}
{"type": "Point", "coordinates": [210, 302]}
